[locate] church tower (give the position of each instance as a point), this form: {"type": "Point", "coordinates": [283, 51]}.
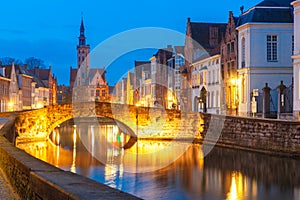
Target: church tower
{"type": "Point", "coordinates": [296, 59]}
{"type": "Point", "coordinates": [83, 49]}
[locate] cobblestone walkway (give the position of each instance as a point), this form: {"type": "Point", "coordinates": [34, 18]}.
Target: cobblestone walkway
{"type": "Point", "coordinates": [6, 190]}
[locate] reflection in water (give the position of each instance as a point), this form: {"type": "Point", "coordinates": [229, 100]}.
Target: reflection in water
{"type": "Point", "coordinates": [73, 167]}
{"type": "Point", "coordinates": [222, 174]}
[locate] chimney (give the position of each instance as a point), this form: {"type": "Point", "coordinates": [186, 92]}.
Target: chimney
{"type": "Point", "coordinates": [189, 20]}
{"type": "Point", "coordinates": [36, 71]}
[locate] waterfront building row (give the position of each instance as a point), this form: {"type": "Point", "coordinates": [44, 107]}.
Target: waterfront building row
{"type": "Point", "coordinates": [22, 89]}
{"type": "Point", "coordinates": [225, 66]}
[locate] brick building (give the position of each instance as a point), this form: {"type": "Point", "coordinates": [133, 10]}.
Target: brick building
{"type": "Point", "coordinates": [229, 53]}
{"type": "Point", "coordinates": [86, 83]}
{"type": "Point", "coordinates": [202, 41]}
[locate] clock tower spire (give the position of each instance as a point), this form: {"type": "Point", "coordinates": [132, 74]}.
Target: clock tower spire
{"type": "Point", "coordinates": [83, 49]}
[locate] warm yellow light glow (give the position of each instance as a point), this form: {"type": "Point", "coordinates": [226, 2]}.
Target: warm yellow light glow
{"type": "Point", "coordinates": [201, 127]}
{"type": "Point", "coordinates": [39, 105]}
{"type": "Point", "coordinates": [73, 167]}
{"type": "Point", "coordinates": [233, 81]}
{"type": "Point", "coordinates": [233, 193]}
{"type": "Point", "coordinates": [10, 106]}
{"type": "Point", "coordinates": [238, 187]}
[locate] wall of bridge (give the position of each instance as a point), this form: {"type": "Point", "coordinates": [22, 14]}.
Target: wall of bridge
{"type": "Point", "coordinates": [139, 122]}
{"type": "Point", "coordinates": [281, 137]}
{"type": "Point", "coordinates": [278, 137]}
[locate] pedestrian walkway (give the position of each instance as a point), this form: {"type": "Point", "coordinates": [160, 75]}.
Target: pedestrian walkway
{"type": "Point", "coordinates": [6, 190]}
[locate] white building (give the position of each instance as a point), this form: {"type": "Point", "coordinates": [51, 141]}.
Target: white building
{"type": "Point", "coordinates": [206, 77]}
{"type": "Point", "coordinates": [296, 58]}
{"type": "Point", "coordinates": [265, 37]}
{"type": "Point", "coordinates": [40, 94]}
{"type": "Point", "coordinates": [174, 77]}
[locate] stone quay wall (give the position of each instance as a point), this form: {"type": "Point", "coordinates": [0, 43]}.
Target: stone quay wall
{"type": "Point", "coordinates": [36, 180]}
{"type": "Point", "coordinates": [263, 135]}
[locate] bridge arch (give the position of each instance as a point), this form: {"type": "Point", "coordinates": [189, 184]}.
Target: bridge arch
{"type": "Point", "coordinates": [139, 122]}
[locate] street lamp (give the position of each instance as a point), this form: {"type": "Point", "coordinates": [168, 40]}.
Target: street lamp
{"type": "Point", "coordinates": [234, 83]}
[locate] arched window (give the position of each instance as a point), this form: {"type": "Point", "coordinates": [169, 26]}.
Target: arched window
{"type": "Point", "coordinates": [243, 52]}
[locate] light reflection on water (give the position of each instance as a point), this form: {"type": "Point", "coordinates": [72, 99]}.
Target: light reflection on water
{"type": "Point", "coordinates": [222, 174]}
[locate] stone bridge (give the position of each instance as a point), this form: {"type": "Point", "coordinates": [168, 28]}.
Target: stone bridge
{"type": "Point", "coordinates": [141, 122]}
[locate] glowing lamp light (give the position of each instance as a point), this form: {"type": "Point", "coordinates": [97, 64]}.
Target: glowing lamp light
{"type": "Point", "coordinates": [39, 105]}
{"type": "Point", "coordinates": [233, 81]}
{"type": "Point", "coordinates": [10, 104]}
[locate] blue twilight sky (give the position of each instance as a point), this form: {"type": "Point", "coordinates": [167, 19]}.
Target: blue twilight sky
{"type": "Point", "coordinates": [49, 29]}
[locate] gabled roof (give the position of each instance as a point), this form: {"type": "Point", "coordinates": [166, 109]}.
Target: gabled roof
{"type": "Point", "coordinates": [18, 68]}
{"type": "Point", "coordinates": [139, 63]}
{"type": "Point", "coordinates": [179, 49]}
{"type": "Point", "coordinates": [163, 54]}
{"type": "Point", "coordinates": [22, 70]}
{"type": "Point", "coordinates": [200, 33]}
{"type": "Point", "coordinates": [43, 74]}
{"type": "Point", "coordinates": [276, 3]}
{"type": "Point", "coordinates": [38, 81]}
{"type": "Point", "coordinates": [268, 11]}
{"type": "Point", "coordinates": [94, 71]}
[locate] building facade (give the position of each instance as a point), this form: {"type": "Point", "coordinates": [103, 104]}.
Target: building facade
{"type": "Point", "coordinates": [4, 92]}
{"type": "Point", "coordinates": [174, 77]}
{"type": "Point", "coordinates": [206, 85]}
{"type": "Point", "coordinates": [40, 93]}
{"type": "Point", "coordinates": [202, 41]}
{"type": "Point", "coordinates": [296, 59]}
{"type": "Point", "coordinates": [86, 83]}
{"type": "Point", "coordinates": [49, 81]}
{"type": "Point", "coordinates": [142, 72]}
{"type": "Point", "coordinates": [159, 76]}
{"type": "Point", "coordinates": [265, 37]}
{"type": "Point", "coordinates": [14, 97]}
{"type": "Point", "coordinates": [25, 90]}
{"type": "Point", "coordinates": [229, 63]}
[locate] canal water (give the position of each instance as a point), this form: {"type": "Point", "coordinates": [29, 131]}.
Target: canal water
{"type": "Point", "coordinates": [222, 174]}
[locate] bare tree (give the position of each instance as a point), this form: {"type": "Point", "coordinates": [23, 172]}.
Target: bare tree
{"type": "Point", "coordinates": [8, 61]}
{"type": "Point", "coordinates": [33, 62]}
